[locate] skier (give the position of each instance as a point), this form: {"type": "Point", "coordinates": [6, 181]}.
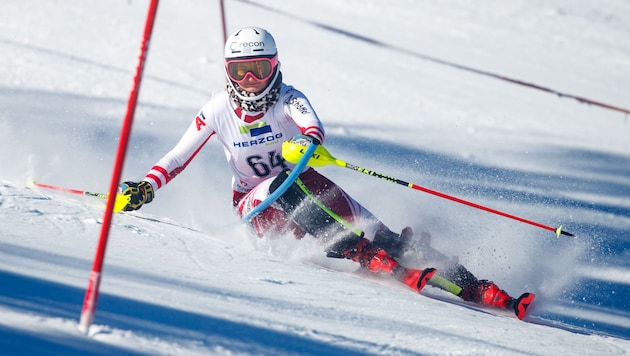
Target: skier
{"type": "Point", "coordinates": [251, 118]}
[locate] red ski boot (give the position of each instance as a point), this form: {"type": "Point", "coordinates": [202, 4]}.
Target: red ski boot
{"type": "Point", "coordinates": [486, 293]}
{"type": "Point", "coordinates": [375, 259]}
{"type": "Point", "coordinates": [372, 258]}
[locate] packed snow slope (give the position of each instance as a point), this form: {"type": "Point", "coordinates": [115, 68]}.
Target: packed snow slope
{"type": "Point", "coordinates": [183, 276]}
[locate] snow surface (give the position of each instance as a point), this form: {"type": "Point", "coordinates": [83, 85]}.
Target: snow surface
{"type": "Point", "coordinates": [183, 276]}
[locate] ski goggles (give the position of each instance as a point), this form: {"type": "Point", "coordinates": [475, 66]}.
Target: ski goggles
{"type": "Point", "coordinates": [261, 68]}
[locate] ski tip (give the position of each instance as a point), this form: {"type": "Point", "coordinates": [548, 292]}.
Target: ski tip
{"type": "Point", "coordinates": [522, 305]}
{"type": "Point", "coordinates": [31, 182]}
{"type": "Point", "coordinates": [427, 273]}
{"type": "Point", "coordinates": [416, 279]}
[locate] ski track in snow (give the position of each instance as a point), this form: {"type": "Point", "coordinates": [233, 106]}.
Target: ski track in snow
{"type": "Point", "coordinates": [183, 276]}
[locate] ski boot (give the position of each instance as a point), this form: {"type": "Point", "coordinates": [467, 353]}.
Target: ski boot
{"type": "Point", "coordinates": [487, 293]}
{"type": "Point", "coordinates": [371, 257]}
{"type": "Point", "coordinates": [375, 259]}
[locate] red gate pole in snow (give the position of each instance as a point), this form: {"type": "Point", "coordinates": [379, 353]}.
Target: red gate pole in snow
{"type": "Point", "coordinates": [222, 6]}
{"type": "Point", "coordinates": [91, 293]}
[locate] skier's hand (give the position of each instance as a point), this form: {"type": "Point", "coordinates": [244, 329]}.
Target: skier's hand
{"type": "Point", "coordinates": [305, 140]}
{"type": "Point", "coordinates": [139, 194]}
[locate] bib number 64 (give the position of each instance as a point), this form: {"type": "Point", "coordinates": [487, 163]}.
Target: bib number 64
{"type": "Point", "coordinates": [262, 167]}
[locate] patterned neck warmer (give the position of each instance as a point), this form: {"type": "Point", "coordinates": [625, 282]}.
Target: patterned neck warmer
{"type": "Point", "coordinates": [261, 105]}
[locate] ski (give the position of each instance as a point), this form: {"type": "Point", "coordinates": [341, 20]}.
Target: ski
{"type": "Point", "coordinates": [522, 304]}
{"type": "Point", "coordinates": [416, 279]}
{"type": "Point", "coordinates": [391, 241]}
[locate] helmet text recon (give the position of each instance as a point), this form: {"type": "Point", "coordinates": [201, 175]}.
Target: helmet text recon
{"type": "Point", "coordinates": [250, 42]}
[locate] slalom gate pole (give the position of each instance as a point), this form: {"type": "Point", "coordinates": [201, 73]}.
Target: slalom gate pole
{"type": "Point", "coordinates": [222, 9]}
{"type": "Point", "coordinates": [293, 152]}
{"type": "Point", "coordinates": [91, 293]}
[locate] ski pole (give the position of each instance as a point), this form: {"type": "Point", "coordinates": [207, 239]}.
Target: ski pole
{"type": "Point", "coordinates": [300, 165]}
{"type": "Point", "coordinates": [119, 204]}
{"type": "Point", "coordinates": [292, 153]}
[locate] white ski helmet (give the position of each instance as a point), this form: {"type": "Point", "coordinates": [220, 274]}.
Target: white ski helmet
{"type": "Point", "coordinates": [247, 44]}
{"type": "Point", "coordinates": [250, 42]}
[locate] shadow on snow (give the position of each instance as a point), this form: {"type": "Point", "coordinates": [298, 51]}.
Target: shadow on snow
{"type": "Point", "coordinates": [56, 300]}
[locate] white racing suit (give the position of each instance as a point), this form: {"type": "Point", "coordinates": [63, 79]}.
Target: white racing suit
{"type": "Point", "coordinates": [252, 142]}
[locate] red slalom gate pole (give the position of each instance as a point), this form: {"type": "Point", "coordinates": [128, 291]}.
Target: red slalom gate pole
{"type": "Point", "coordinates": [222, 6]}
{"type": "Point", "coordinates": [91, 293]}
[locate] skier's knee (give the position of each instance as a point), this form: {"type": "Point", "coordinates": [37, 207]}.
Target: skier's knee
{"type": "Point", "coordinates": [340, 248]}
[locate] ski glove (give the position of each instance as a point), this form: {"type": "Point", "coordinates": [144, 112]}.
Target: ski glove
{"type": "Point", "coordinates": [308, 138]}
{"type": "Point", "coordinates": [140, 193]}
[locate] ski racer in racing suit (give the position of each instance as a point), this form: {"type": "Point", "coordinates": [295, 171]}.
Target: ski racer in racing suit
{"type": "Point", "coordinates": [252, 118]}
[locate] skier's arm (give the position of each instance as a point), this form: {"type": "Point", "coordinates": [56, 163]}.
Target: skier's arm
{"type": "Point", "coordinates": [169, 166]}
{"type": "Point", "coordinates": [299, 109]}
{"type": "Point", "coordinates": [176, 160]}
